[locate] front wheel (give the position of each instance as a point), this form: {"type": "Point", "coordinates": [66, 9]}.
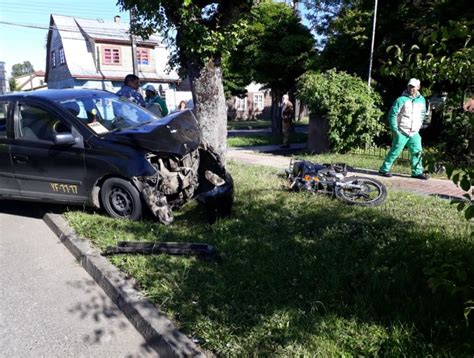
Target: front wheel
{"type": "Point", "coordinates": [121, 199]}
{"type": "Point", "coordinates": [361, 191]}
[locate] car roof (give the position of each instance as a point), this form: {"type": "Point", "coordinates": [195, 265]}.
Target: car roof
{"type": "Point", "coordinates": [56, 94]}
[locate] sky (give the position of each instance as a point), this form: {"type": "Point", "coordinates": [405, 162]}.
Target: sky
{"type": "Point", "coordinates": [20, 43]}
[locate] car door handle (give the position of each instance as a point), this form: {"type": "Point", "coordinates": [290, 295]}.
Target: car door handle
{"type": "Point", "coordinates": [20, 158]}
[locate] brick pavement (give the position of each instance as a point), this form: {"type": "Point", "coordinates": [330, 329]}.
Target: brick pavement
{"type": "Point", "coordinates": [439, 187]}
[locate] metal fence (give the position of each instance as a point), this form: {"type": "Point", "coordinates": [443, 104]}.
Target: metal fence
{"type": "Point", "coordinates": [380, 152]}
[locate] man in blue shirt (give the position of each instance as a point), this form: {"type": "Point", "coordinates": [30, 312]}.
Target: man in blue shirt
{"type": "Point", "coordinates": [129, 90]}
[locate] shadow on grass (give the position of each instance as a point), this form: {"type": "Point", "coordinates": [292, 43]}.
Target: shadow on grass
{"type": "Point", "coordinates": [304, 274]}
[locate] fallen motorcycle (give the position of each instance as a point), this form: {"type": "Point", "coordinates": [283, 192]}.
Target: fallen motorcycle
{"type": "Point", "coordinates": [331, 179]}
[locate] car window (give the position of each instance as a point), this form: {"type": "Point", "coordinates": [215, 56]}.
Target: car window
{"type": "Point", "coordinates": [3, 119]}
{"type": "Point", "coordinates": [35, 123]}
{"type": "Point", "coordinates": [106, 113]}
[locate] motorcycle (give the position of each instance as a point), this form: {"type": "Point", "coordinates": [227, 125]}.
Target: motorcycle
{"type": "Point", "coordinates": [332, 179]}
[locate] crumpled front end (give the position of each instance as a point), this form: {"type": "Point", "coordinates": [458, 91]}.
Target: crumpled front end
{"type": "Point", "coordinates": [199, 174]}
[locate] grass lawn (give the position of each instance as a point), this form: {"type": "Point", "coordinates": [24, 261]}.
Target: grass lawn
{"type": "Point", "coordinates": [308, 276]}
{"type": "Point", "coordinates": [370, 159]}
{"type": "Point", "coordinates": [255, 140]}
{"type": "Point", "coordinates": [258, 124]}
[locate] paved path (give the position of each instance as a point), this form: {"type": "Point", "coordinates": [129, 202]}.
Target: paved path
{"type": "Point", "coordinates": [265, 155]}
{"type": "Point", "coordinates": [50, 306]}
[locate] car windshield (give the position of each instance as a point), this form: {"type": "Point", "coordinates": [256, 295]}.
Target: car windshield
{"type": "Point", "coordinates": [107, 112]}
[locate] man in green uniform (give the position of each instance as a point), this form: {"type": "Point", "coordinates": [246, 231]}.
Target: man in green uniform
{"type": "Point", "coordinates": [405, 119]}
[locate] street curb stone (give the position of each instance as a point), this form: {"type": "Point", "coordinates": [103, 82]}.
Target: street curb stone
{"type": "Point", "coordinates": [159, 332]}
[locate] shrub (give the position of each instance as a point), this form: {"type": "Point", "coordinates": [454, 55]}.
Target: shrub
{"type": "Point", "coordinates": [352, 109]}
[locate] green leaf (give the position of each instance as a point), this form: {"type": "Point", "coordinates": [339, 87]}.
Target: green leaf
{"type": "Point", "coordinates": [465, 183]}
{"type": "Point", "coordinates": [449, 170]}
{"type": "Point", "coordinates": [469, 213]}
{"type": "Point", "coordinates": [455, 178]}
{"type": "Point", "coordinates": [461, 206]}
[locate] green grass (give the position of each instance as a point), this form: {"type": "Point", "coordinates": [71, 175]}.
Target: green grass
{"type": "Point", "coordinates": [370, 159]}
{"type": "Point", "coordinates": [257, 124]}
{"type": "Point", "coordinates": [308, 276]}
{"type": "Point", "coordinates": [255, 140]}
{"type": "Point", "coordinates": [367, 161]}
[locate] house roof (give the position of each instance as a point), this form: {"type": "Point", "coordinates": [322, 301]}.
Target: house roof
{"type": "Point", "coordinates": [75, 34]}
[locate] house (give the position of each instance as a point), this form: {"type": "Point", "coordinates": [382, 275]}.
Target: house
{"type": "Point", "coordinates": [96, 53]}
{"type": "Point", "coordinates": [31, 81]}
{"type": "Point", "coordinates": [256, 104]}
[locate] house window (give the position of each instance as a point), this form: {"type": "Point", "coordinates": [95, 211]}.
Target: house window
{"type": "Point", "coordinates": [111, 56]}
{"type": "Point", "coordinates": [62, 58]}
{"type": "Point", "coordinates": [258, 101]}
{"type": "Point", "coordinates": [240, 104]}
{"type": "Point", "coordinates": [143, 56]}
{"type": "Point", "coordinates": [53, 58]}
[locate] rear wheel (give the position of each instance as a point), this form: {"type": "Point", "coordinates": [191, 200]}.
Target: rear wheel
{"type": "Point", "coordinates": [121, 199]}
{"type": "Point", "coordinates": [362, 191]}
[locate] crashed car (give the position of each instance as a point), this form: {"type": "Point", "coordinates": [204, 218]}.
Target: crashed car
{"type": "Point", "coordinates": [90, 147]}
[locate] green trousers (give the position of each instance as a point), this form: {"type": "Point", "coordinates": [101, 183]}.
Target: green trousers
{"type": "Point", "coordinates": [414, 146]}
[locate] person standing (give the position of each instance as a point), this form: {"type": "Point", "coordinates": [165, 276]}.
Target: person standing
{"type": "Point", "coordinates": [129, 90]}
{"type": "Point", "coordinates": [405, 120]}
{"type": "Point", "coordinates": [154, 102]}
{"type": "Point", "coordinates": [286, 119]}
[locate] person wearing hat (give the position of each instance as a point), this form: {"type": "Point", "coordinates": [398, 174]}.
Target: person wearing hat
{"type": "Point", "coordinates": [129, 90]}
{"type": "Point", "coordinates": [154, 102]}
{"type": "Point", "coordinates": [405, 119]}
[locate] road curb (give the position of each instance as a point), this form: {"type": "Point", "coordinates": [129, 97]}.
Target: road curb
{"type": "Point", "coordinates": [159, 332]}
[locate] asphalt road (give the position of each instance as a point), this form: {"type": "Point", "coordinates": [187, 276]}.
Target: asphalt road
{"type": "Point", "coordinates": [49, 306]}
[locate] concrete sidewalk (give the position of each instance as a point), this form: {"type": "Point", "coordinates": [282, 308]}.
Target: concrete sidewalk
{"type": "Point", "coordinates": [50, 307]}
{"type": "Point", "coordinates": [276, 157]}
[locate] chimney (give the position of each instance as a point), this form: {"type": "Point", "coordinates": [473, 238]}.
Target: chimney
{"type": "Point", "coordinates": [117, 19]}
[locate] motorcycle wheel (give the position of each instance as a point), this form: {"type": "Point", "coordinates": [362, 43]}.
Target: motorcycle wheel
{"type": "Point", "coordinates": [369, 192]}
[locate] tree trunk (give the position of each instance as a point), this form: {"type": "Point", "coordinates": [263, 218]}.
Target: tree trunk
{"type": "Point", "coordinates": [318, 133]}
{"type": "Point", "coordinates": [209, 104]}
{"type": "Point", "coordinates": [276, 114]}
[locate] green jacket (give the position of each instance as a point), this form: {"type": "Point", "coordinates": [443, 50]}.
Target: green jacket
{"type": "Point", "coordinates": [157, 104]}
{"type": "Point", "coordinates": [407, 114]}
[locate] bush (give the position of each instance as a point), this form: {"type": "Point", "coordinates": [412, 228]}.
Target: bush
{"type": "Point", "coordinates": [352, 109]}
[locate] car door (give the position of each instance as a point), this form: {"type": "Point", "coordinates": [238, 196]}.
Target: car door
{"type": "Point", "coordinates": [8, 183]}
{"type": "Point", "coordinates": [43, 169]}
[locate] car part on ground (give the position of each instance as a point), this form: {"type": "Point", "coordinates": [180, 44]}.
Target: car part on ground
{"type": "Point", "coordinates": [203, 251]}
{"type": "Point", "coordinates": [331, 179]}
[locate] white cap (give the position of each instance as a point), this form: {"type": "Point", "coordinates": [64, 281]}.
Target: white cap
{"type": "Point", "coordinates": [414, 82]}
{"type": "Point", "coordinates": [150, 88]}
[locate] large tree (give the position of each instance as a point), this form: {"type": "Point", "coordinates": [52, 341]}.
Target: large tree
{"type": "Point", "coordinates": [275, 51]}
{"type": "Point", "coordinates": [20, 69]}
{"type": "Point", "coordinates": [344, 28]}
{"type": "Point", "coordinates": [200, 31]}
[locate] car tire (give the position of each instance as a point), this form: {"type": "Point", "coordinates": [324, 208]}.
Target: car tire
{"type": "Point", "coordinates": [120, 199]}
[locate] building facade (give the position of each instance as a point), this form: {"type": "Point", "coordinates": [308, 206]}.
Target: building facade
{"type": "Point", "coordinates": [95, 53]}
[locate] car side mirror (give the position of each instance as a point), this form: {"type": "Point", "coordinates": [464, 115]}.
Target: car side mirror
{"type": "Point", "coordinates": [64, 139]}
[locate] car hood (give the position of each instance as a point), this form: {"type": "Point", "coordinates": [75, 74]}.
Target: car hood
{"type": "Point", "coordinates": [177, 133]}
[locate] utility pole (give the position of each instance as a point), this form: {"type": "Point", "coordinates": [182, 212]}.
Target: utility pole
{"type": "Point", "coordinates": [372, 45]}
{"type": "Point", "coordinates": [134, 44]}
